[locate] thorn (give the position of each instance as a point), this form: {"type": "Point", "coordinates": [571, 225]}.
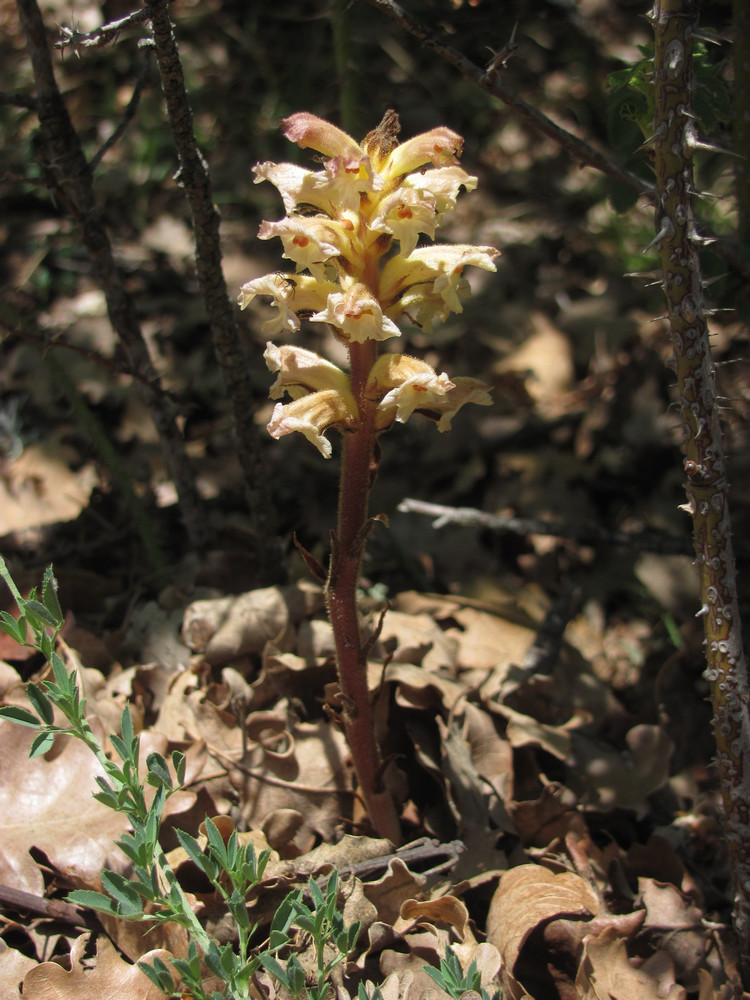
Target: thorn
{"type": "Point", "coordinates": [659, 134]}
{"type": "Point", "coordinates": [667, 229]}
{"type": "Point", "coordinates": [693, 142]}
{"type": "Point", "coordinates": [714, 312]}
{"type": "Point", "coordinates": [500, 58]}
{"type": "Point", "coordinates": [701, 241]}
{"type": "Point", "coordinates": [705, 35]}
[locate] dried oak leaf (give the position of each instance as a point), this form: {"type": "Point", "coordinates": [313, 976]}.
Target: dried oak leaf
{"type": "Point", "coordinates": [226, 628]}
{"type": "Point", "coordinates": [606, 971]}
{"type": "Point", "coordinates": [47, 803]}
{"type": "Point", "coordinates": [673, 918]}
{"type": "Point", "coordinates": [528, 897]}
{"type": "Point", "coordinates": [109, 977]}
{"type": "Point", "coordinates": [14, 965]}
{"type": "Point", "coordinates": [40, 487]}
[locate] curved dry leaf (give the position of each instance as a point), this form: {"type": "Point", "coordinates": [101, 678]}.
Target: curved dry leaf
{"type": "Point", "coordinates": [46, 803]}
{"type": "Point", "coordinates": [417, 639]}
{"type": "Point", "coordinates": [14, 965]}
{"type": "Point", "coordinates": [624, 779]}
{"type": "Point", "coordinates": [676, 922]}
{"type": "Point", "coordinates": [110, 978]}
{"type": "Point", "coordinates": [314, 780]}
{"type": "Point", "coordinates": [487, 641]}
{"type": "Point", "coordinates": [528, 896]}
{"type": "Point", "coordinates": [606, 971]}
{"type": "Point", "coordinates": [389, 893]}
{"type": "Point", "coordinates": [522, 730]}
{"type": "Point", "coordinates": [445, 911]}
{"type": "Point", "coordinates": [40, 487]}
{"type": "Point", "coordinates": [228, 627]}
{"type": "Point", "coordinates": [418, 688]}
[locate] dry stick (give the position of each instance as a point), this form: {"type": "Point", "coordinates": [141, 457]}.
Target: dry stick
{"type": "Point", "coordinates": [586, 534]}
{"type": "Point", "coordinates": [581, 151]}
{"type": "Point", "coordinates": [706, 486]}
{"type": "Point", "coordinates": [194, 177]}
{"type": "Point", "coordinates": [69, 178]}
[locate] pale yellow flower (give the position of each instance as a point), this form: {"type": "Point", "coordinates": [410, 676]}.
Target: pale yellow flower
{"type": "Point", "coordinates": [291, 294]}
{"type": "Point", "coordinates": [357, 316]}
{"type": "Point", "coordinates": [313, 415]}
{"type": "Point", "coordinates": [302, 372]}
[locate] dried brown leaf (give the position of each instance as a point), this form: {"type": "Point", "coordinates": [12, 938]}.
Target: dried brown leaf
{"type": "Point", "coordinates": [40, 487]}
{"type": "Point", "coordinates": [14, 965]}
{"type": "Point", "coordinates": [46, 803]}
{"type": "Point", "coordinates": [109, 977]}
{"type": "Point", "coordinates": [228, 627]}
{"type": "Point", "coordinates": [606, 971]}
{"type": "Point", "coordinates": [529, 896]}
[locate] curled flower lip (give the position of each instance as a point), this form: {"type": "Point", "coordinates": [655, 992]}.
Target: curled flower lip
{"type": "Point", "coordinates": [357, 315]}
{"type": "Point", "coordinates": [313, 415]}
{"type": "Point", "coordinates": [291, 293]}
{"type": "Point", "coordinates": [430, 279]}
{"type": "Point", "coordinates": [465, 390]}
{"type": "Point", "coordinates": [304, 242]}
{"type": "Point", "coordinates": [401, 385]}
{"type": "Point", "coordinates": [439, 146]}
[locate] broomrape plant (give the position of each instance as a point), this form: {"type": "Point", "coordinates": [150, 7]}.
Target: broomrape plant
{"type": "Point", "coordinates": [353, 226]}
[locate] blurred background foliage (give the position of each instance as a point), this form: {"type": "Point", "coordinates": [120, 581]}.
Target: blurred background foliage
{"type": "Point", "coordinates": [598, 442]}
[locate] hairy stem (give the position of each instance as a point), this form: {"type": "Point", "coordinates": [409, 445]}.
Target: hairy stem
{"type": "Point", "coordinates": [706, 487]}
{"type": "Point", "coordinates": [358, 468]}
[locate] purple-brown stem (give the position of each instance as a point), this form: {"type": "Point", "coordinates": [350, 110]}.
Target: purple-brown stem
{"type": "Point", "coordinates": [358, 468]}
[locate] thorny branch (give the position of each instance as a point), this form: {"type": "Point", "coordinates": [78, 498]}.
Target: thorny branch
{"type": "Point", "coordinates": [102, 35]}
{"type": "Point", "coordinates": [194, 177]}
{"type": "Point", "coordinates": [706, 487]}
{"type": "Point", "coordinates": [46, 343]}
{"type": "Point", "coordinates": [69, 177]}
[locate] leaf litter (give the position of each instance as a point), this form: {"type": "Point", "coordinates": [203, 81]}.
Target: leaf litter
{"type": "Point", "coordinates": [525, 777]}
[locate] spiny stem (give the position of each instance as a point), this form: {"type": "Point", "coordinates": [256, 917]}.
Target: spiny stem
{"type": "Point", "coordinates": [706, 486]}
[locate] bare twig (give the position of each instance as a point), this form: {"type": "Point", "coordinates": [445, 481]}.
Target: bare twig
{"type": "Point", "coordinates": [127, 115]}
{"type": "Point", "coordinates": [112, 365]}
{"type": "Point", "coordinates": [195, 179]}
{"type": "Point", "coordinates": [69, 177]}
{"type": "Point", "coordinates": [586, 534]}
{"type": "Point", "coordinates": [48, 909]}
